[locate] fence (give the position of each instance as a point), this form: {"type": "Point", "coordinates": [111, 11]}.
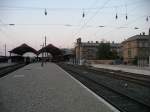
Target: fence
{"type": "Point", "coordinates": [143, 61]}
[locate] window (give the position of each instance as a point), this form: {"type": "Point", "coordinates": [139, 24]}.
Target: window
{"type": "Point", "coordinates": [129, 52]}
{"type": "Point", "coordinates": [140, 44]}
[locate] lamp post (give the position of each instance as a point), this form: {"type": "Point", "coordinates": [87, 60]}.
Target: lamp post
{"type": "Point", "coordinates": [45, 48]}
{"type": "Point", "coordinates": [5, 49]}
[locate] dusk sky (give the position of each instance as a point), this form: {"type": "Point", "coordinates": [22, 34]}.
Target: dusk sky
{"type": "Point", "coordinates": [64, 23]}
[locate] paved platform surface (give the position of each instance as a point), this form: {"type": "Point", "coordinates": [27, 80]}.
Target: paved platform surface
{"type": "Point", "coordinates": [126, 68]}
{"type": "Point", "coordinates": [47, 89]}
{"type": "Point", "coordinates": [6, 64]}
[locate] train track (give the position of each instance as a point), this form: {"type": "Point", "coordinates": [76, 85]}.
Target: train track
{"type": "Point", "coordinates": [132, 77]}
{"type": "Point", "coordinates": [8, 69]}
{"type": "Point", "coordinates": [115, 91]}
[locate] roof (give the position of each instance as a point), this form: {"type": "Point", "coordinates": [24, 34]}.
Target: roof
{"type": "Point", "coordinates": [138, 37]}
{"type": "Point", "coordinates": [50, 49]}
{"type": "Point", "coordinates": [23, 49]}
{"type": "Point", "coordinates": [97, 44]}
{"type": "Point", "coordinates": [115, 44]}
{"type": "Point", "coordinates": [67, 51]}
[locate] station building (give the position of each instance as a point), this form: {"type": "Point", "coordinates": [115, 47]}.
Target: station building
{"type": "Point", "coordinates": [88, 50]}
{"type": "Point", "coordinates": [136, 47]}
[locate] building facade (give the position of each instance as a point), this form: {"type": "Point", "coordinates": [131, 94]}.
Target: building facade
{"type": "Point", "coordinates": [88, 50]}
{"type": "Point", "coordinates": [136, 47]}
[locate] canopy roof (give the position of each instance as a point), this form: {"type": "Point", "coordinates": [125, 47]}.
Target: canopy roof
{"type": "Point", "coordinates": [24, 48]}
{"type": "Point", "coordinates": [51, 49]}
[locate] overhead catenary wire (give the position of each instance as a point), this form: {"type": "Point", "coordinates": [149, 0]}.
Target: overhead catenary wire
{"type": "Point", "coordinates": [58, 9]}
{"type": "Point", "coordinates": [5, 7]}
{"type": "Point", "coordinates": [94, 14]}
{"type": "Point", "coordinates": [123, 26]}
{"type": "Point", "coordinates": [125, 23]}
{"type": "Point", "coordinates": [116, 16]}
{"type": "Point", "coordinates": [135, 20]}
{"type": "Point", "coordinates": [87, 12]}
{"type": "Point", "coordinates": [126, 11]}
{"type": "Point", "coordinates": [37, 24]}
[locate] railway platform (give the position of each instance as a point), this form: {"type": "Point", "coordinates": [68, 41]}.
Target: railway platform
{"type": "Point", "coordinates": [125, 68]}
{"type": "Point", "coordinates": [47, 89]}
{"type": "Point", "coordinates": [6, 64]}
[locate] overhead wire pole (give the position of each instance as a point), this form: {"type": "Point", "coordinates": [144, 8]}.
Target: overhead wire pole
{"type": "Point", "coordinates": [1, 30]}
{"type": "Point", "coordinates": [45, 49]}
{"type": "Point", "coordinates": [45, 41]}
{"type": "Point", "coordinates": [5, 50]}
{"type": "Point", "coordinates": [42, 61]}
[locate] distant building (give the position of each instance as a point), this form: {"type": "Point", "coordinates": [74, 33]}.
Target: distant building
{"type": "Point", "coordinates": [88, 50]}
{"type": "Point", "coordinates": [68, 54]}
{"type": "Point", "coordinates": [117, 47]}
{"type": "Point", "coordinates": [137, 46]}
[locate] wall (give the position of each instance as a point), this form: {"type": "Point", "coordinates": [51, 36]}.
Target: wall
{"type": "Point", "coordinates": [99, 61]}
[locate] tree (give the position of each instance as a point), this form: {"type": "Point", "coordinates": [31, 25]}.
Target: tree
{"type": "Point", "coordinates": [104, 52]}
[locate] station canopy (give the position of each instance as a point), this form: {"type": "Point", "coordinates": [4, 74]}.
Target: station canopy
{"type": "Point", "coordinates": [24, 48]}
{"type": "Point", "coordinates": [51, 49]}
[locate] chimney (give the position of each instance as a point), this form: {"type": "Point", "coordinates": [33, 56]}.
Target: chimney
{"type": "Point", "coordinates": [140, 33]}
{"type": "Point", "coordinates": [79, 40]}
{"type": "Point", "coordinates": [149, 32]}
{"type": "Point", "coordinates": [143, 33]}
{"type": "Point", "coordinates": [96, 41]}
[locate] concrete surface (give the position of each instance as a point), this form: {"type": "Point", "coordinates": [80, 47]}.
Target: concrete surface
{"type": "Point", "coordinates": [126, 68]}
{"type": "Point", "coordinates": [47, 89]}
{"type": "Point", "coordinates": [6, 64]}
